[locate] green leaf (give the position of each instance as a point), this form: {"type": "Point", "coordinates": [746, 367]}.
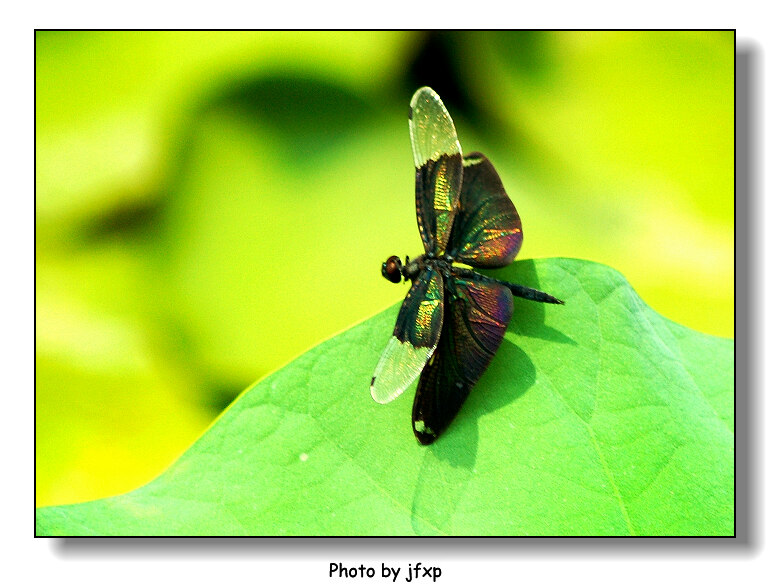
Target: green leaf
{"type": "Point", "coordinates": [599, 417]}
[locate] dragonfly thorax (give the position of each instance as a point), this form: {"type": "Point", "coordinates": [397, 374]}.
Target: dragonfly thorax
{"type": "Point", "coordinates": [393, 269]}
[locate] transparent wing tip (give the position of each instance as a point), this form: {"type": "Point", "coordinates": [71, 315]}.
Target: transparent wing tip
{"type": "Point", "coordinates": [380, 395]}
{"type": "Point", "coordinates": [400, 364]}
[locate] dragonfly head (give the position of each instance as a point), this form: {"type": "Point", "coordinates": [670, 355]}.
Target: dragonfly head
{"type": "Point", "coordinates": [391, 269]}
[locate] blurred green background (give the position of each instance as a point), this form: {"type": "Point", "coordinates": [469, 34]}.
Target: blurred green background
{"type": "Point", "coordinates": [210, 205]}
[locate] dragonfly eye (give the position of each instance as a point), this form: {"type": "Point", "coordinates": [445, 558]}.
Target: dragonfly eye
{"type": "Point", "coordinates": [391, 269]}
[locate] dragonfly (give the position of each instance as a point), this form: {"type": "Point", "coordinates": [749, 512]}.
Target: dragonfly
{"type": "Point", "coordinates": [453, 318]}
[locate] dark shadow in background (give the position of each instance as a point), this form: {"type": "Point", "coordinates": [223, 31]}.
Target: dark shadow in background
{"type": "Point", "coordinates": [447, 61]}
{"type": "Point", "coordinates": [309, 117]}
{"type": "Point", "coordinates": [436, 64]}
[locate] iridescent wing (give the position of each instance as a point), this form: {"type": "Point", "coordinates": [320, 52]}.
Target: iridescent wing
{"type": "Point", "coordinates": [475, 320]}
{"type": "Point", "coordinates": [438, 168]}
{"type": "Point", "coordinates": [414, 339]}
{"type": "Point", "coordinates": [487, 228]}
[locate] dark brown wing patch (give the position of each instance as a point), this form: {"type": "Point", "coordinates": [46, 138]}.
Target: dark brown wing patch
{"type": "Point", "coordinates": [475, 319]}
